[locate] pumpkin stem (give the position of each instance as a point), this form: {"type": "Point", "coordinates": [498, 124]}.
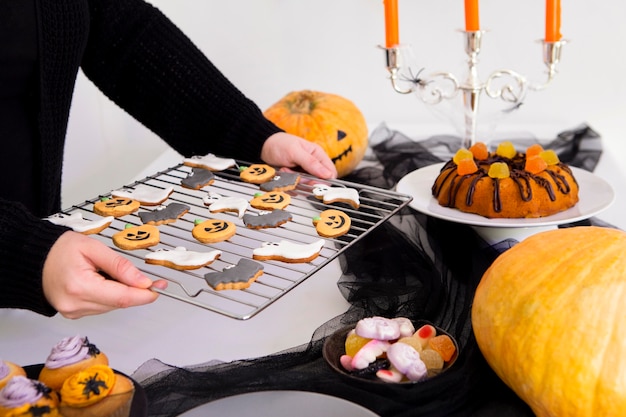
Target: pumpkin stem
{"type": "Point", "coordinates": [304, 103]}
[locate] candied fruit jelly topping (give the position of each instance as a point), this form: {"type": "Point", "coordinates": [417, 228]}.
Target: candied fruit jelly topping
{"type": "Point", "coordinates": [535, 164]}
{"type": "Point", "coordinates": [533, 150]}
{"type": "Point", "coordinates": [480, 151]}
{"type": "Point", "coordinates": [550, 157]}
{"type": "Point", "coordinates": [506, 150]}
{"type": "Point", "coordinates": [466, 166]}
{"type": "Point", "coordinates": [461, 155]}
{"type": "Point", "coordinates": [499, 170]}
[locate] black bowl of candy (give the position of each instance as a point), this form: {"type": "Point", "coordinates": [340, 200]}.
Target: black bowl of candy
{"type": "Point", "coordinates": [398, 350]}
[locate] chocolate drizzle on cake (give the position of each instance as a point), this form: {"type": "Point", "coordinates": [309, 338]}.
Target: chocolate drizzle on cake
{"type": "Point", "coordinates": [521, 177]}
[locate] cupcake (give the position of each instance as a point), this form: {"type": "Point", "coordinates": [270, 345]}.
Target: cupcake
{"type": "Point", "coordinates": [8, 370]}
{"type": "Point", "coordinates": [70, 355]}
{"type": "Point", "coordinates": [24, 397]}
{"type": "Point", "coordinates": [96, 392]}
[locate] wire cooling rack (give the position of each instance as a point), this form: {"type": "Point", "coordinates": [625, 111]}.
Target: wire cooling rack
{"type": "Point", "coordinates": [278, 278]}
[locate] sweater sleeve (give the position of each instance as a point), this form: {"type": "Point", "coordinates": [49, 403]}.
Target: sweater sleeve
{"type": "Point", "coordinates": [26, 241]}
{"type": "Point", "coordinates": [145, 64]}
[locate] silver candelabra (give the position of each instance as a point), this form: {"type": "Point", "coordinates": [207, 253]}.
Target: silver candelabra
{"type": "Point", "coordinates": [439, 86]}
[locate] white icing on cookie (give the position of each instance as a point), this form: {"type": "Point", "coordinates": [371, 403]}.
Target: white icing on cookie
{"type": "Point", "coordinates": [289, 250]}
{"type": "Point", "coordinates": [145, 194]}
{"type": "Point", "coordinates": [217, 202]}
{"type": "Point", "coordinates": [331, 194]}
{"type": "Point", "coordinates": [183, 257]}
{"type": "Point", "coordinates": [76, 222]}
{"type": "Point", "coordinates": [210, 162]}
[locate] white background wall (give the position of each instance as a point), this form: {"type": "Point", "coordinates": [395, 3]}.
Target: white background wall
{"type": "Point", "coordinates": [270, 47]}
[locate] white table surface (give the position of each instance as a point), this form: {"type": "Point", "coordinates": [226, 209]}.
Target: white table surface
{"type": "Point", "coordinates": [181, 334]}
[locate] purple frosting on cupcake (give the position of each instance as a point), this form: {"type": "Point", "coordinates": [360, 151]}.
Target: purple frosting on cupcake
{"type": "Point", "coordinates": [21, 390]}
{"type": "Point", "coordinates": [70, 350]}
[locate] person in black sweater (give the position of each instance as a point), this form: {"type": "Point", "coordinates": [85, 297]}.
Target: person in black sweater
{"type": "Point", "coordinates": [146, 65]}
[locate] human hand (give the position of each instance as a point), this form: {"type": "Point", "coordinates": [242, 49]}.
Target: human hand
{"type": "Point", "coordinates": [74, 286]}
{"type": "Point", "coordinates": [287, 150]}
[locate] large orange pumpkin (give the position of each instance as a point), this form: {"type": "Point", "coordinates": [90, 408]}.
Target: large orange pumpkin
{"type": "Point", "coordinates": [549, 316]}
{"type": "Point", "coordinates": [332, 121]}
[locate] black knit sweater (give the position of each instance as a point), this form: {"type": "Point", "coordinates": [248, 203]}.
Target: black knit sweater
{"type": "Point", "coordinates": [142, 62]}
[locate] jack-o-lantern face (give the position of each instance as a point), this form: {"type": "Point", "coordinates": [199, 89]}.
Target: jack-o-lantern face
{"type": "Point", "coordinates": [332, 223]}
{"type": "Point", "coordinates": [213, 230]}
{"type": "Point", "coordinates": [118, 202]}
{"type": "Point", "coordinates": [331, 121]}
{"type": "Point", "coordinates": [257, 173]}
{"type": "Point", "coordinates": [274, 198]}
{"type": "Point", "coordinates": [137, 237]}
{"type": "Point", "coordinates": [116, 206]}
{"type": "Point", "coordinates": [271, 200]}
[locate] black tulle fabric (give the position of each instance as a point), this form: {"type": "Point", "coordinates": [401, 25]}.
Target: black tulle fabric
{"type": "Point", "coordinates": [413, 266]}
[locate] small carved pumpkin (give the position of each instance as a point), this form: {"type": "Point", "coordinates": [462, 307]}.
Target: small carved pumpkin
{"type": "Point", "coordinates": [331, 121]}
{"type": "Point", "coordinates": [549, 318]}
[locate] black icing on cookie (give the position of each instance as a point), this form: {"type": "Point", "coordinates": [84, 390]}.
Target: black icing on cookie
{"type": "Point", "coordinates": [235, 277]}
{"type": "Point", "coordinates": [198, 178]}
{"type": "Point", "coordinates": [282, 181]}
{"type": "Point", "coordinates": [164, 214]}
{"type": "Point", "coordinates": [266, 219]}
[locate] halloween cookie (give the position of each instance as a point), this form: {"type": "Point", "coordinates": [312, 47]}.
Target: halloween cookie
{"type": "Point", "coordinates": [213, 230]}
{"type": "Point", "coordinates": [235, 277]}
{"type": "Point", "coordinates": [198, 178]}
{"type": "Point", "coordinates": [257, 173]}
{"type": "Point", "coordinates": [137, 237]}
{"type": "Point", "coordinates": [289, 252]}
{"type": "Point", "coordinates": [332, 223]}
{"type": "Point", "coordinates": [145, 194]}
{"type": "Point", "coordinates": [116, 206]}
{"type": "Point", "coordinates": [218, 203]}
{"type": "Point", "coordinates": [210, 162]}
{"type": "Point", "coordinates": [76, 222]}
{"type": "Point", "coordinates": [337, 195]}
{"type": "Point", "coordinates": [270, 200]}
{"type": "Point", "coordinates": [182, 259]}
{"type": "Point", "coordinates": [266, 219]}
{"type": "Point", "coordinates": [164, 214]}
{"type": "Point", "coordinates": [282, 181]}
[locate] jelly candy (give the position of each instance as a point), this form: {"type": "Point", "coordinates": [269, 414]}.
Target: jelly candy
{"type": "Point", "coordinates": [354, 343]}
{"type": "Point", "coordinates": [533, 150]}
{"type": "Point", "coordinates": [480, 151]}
{"type": "Point", "coordinates": [462, 154]}
{"type": "Point", "coordinates": [499, 170]}
{"type": "Point", "coordinates": [506, 150]}
{"type": "Point", "coordinates": [424, 334]}
{"type": "Point", "coordinates": [466, 166]}
{"type": "Point", "coordinates": [443, 345]}
{"type": "Point", "coordinates": [412, 341]}
{"type": "Point", "coordinates": [550, 157]}
{"type": "Point", "coordinates": [535, 164]}
{"type": "Point", "coordinates": [431, 359]}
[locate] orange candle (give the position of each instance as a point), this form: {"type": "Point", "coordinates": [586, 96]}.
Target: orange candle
{"type": "Point", "coordinates": [553, 20]}
{"type": "Point", "coordinates": [471, 16]}
{"type": "Point", "coordinates": [391, 23]}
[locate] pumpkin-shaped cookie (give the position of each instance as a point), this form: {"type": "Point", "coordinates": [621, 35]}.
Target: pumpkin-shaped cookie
{"type": "Point", "coordinates": [257, 173]}
{"type": "Point", "coordinates": [213, 230]}
{"type": "Point", "coordinates": [137, 237]}
{"type": "Point", "coordinates": [332, 223]}
{"type": "Point", "coordinates": [116, 206]}
{"type": "Point", "coordinates": [271, 200]}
